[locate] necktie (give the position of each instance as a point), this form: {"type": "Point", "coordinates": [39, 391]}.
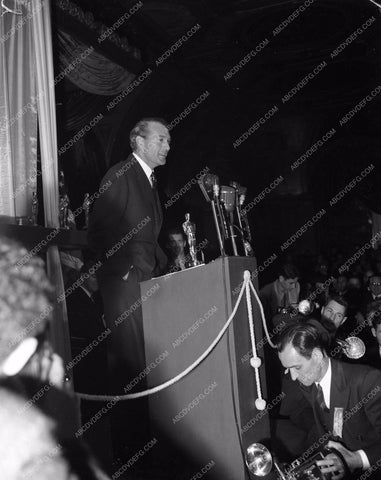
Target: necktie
{"type": "Point", "coordinates": [320, 398]}
{"type": "Point", "coordinates": [320, 408]}
{"type": "Point", "coordinates": [153, 180]}
{"type": "Point", "coordinates": [156, 203]}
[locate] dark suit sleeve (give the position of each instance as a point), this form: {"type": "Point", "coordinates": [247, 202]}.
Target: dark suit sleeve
{"type": "Point", "coordinates": [296, 406]}
{"type": "Point", "coordinates": [370, 400]}
{"type": "Point", "coordinates": [107, 212]}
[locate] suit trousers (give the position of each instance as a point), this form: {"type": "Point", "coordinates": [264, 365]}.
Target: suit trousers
{"type": "Point", "coordinates": [126, 360]}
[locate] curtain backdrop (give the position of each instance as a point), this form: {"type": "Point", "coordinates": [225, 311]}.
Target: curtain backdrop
{"type": "Point", "coordinates": [42, 43]}
{"type": "Point", "coordinates": [18, 114]}
{"type": "Point", "coordinates": [93, 72]}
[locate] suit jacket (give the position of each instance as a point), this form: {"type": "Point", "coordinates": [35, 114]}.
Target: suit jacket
{"type": "Point", "coordinates": [357, 390]}
{"type": "Point", "coordinates": [125, 222]}
{"type": "Point", "coordinates": [372, 355]}
{"type": "Point", "coordinates": [270, 301]}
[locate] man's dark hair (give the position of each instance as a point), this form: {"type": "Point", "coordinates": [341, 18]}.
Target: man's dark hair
{"type": "Point", "coordinates": [373, 313]}
{"type": "Point", "coordinates": [175, 231]}
{"type": "Point", "coordinates": [376, 320]}
{"type": "Point", "coordinates": [340, 300]}
{"type": "Point", "coordinates": [288, 270]}
{"type": "Point", "coordinates": [303, 336]}
{"type": "Point", "coordinates": [342, 274]}
{"type": "Point", "coordinates": [374, 275]}
{"type": "Point", "coordinates": [25, 296]}
{"type": "Point", "coordinates": [141, 129]}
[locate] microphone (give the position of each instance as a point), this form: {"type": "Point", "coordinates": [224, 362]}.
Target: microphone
{"type": "Point", "coordinates": [227, 197]}
{"type": "Point", "coordinates": [206, 183]}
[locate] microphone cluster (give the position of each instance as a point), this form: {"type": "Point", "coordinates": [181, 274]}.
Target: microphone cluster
{"type": "Point", "coordinates": [232, 226]}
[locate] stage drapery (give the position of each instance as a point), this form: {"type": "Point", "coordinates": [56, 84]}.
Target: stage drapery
{"type": "Point", "coordinates": [42, 43]}
{"type": "Point", "coordinates": [93, 72]}
{"type": "Point", "coordinates": [18, 114]}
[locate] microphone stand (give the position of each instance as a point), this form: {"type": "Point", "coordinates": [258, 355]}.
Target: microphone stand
{"type": "Point", "coordinates": [219, 218]}
{"type": "Point", "coordinates": [228, 200]}
{"type": "Point", "coordinates": [242, 219]}
{"type": "Point", "coordinates": [209, 188]}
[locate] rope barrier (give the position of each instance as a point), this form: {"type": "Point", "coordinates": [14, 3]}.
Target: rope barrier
{"type": "Point", "coordinates": [255, 361]}
{"type": "Point", "coordinates": [168, 383]}
{"type": "Point", "coordinates": [262, 315]}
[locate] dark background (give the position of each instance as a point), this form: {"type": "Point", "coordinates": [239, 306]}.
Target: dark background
{"type": "Point", "coordinates": [229, 30]}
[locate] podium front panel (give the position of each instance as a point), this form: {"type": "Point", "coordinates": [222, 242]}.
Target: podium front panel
{"type": "Point", "coordinates": [204, 414]}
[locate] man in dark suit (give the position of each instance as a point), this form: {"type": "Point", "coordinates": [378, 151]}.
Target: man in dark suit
{"type": "Point", "coordinates": [345, 399]}
{"type": "Point", "coordinates": [373, 347]}
{"type": "Point", "coordinates": [281, 293]}
{"type": "Point", "coordinates": [124, 226]}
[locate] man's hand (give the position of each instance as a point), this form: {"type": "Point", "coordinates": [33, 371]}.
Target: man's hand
{"type": "Point", "coordinates": [360, 320]}
{"type": "Point", "coordinates": [333, 464]}
{"type": "Point", "coordinates": [52, 369]}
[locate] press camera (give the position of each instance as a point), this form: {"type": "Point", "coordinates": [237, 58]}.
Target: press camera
{"type": "Point", "coordinates": [261, 463]}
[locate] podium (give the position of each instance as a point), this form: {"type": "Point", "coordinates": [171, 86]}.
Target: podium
{"type": "Point", "coordinates": [204, 414]}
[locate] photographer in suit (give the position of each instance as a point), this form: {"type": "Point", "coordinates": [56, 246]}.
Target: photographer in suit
{"type": "Point", "coordinates": [344, 400]}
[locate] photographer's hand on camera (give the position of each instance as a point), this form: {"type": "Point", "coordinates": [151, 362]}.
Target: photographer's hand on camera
{"type": "Point", "coordinates": [333, 464]}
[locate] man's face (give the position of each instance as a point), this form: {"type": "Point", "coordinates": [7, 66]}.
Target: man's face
{"type": "Point", "coordinates": [377, 333]}
{"type": "Point", "coordinates": [305, 370]}
{"type": "Point", "coordinates": [323, 269]}
{"type": "Point", "coordinates": [176, 243]}
{"type": "Point", "coordinates": [154, 146]}
{"type": "Point", "coordinates": [341, 284]}
{"type": "Point", "coordinates": [354, 283]}
{"type": "Point", "coordinates": [375, 285]}
{"type": "Point", "coordinates": [92, 283]}
{"type": "Point", "coordinates": [334, 312]}
{"type": "Point", "coordinates": [288, 283]}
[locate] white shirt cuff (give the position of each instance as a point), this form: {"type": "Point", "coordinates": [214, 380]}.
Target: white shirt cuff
{"type": "Point", "coordinates": [364, 459]}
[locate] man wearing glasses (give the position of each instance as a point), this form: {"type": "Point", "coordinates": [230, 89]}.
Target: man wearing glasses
{"type": "Point", "coordinates": [375, 287]}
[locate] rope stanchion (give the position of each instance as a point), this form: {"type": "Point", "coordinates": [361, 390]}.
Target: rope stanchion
{"type": "Point", "coordinates": [262, 315]}
{"type": "Point", "coordinates": [255, 361]}
{"type": "Point", "coordinates": [168, 383]}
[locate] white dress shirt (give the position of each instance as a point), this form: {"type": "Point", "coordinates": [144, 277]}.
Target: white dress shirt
{"type": "Point", "coordinates": [145, 167]}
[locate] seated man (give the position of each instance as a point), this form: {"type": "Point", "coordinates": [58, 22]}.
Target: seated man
{"type": "Point", "coordinates": [374, 288]}
{"type": "Point", "coordinates": [334, 314]}
{"type": "Point", "coordinates": [283, 292]}
{"type": "Point", "coordinates": [345, 400]}
{"type": "Point", "coordinates": [341, 285]}
{"type": "Point", "coordinates": [175, 249]}
{"type": "Point", "coordinates": [373, 348]}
